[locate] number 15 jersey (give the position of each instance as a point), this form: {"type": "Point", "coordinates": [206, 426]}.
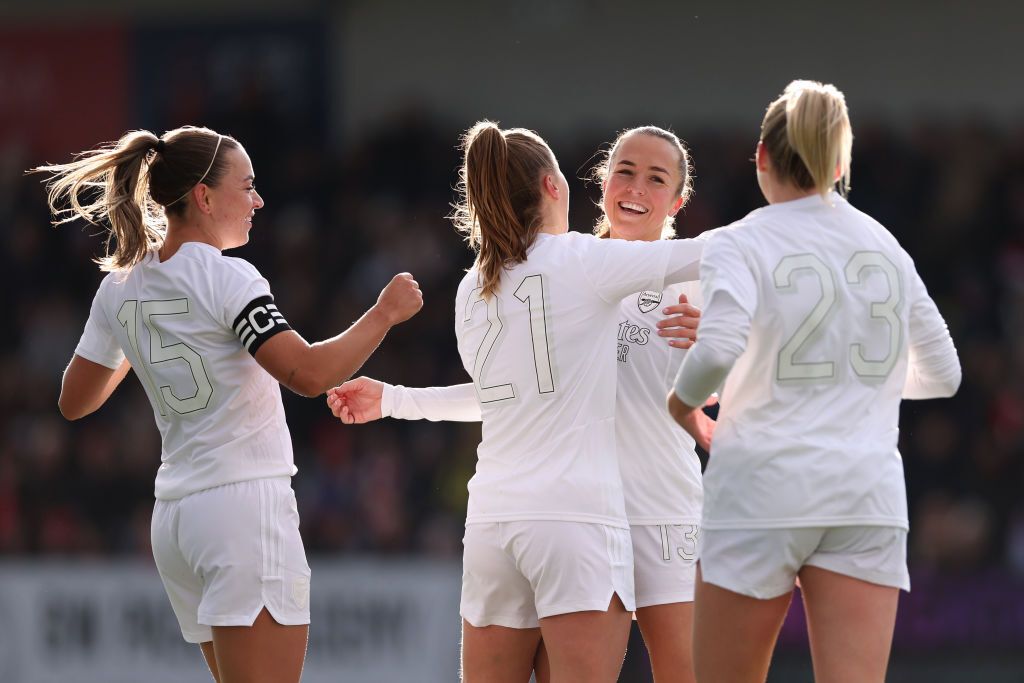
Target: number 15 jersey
{"type": "Point", "coordinates": [189, 327]}
{"type": "Point", "coordinates": [541, 352]}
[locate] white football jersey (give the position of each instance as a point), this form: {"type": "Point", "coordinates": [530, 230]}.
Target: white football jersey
{"type": "Point", "coordinates": [660, 468]}
{"type": "Point", "coordinates": [541, 352]}
{"type": "Point", "coordinates": [185, 326]}
{"type": "Point", "coordinates": [838, 321]}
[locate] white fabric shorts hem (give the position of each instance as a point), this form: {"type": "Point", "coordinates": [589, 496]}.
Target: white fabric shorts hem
{"type": "Point", "coordinates": [666, 599]}
{"type": "Point", "coordinates": [226, 553]}
{"type": "Point", "coordinates": [665, 563]}
{"type": "Point", "coordinates": [516, 573]}
{"type": "Point", "coordinates": [765, 563]}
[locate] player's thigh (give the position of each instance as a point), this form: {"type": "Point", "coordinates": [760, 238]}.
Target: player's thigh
{"type": "Point", "coordinates": [734, 634]}
{"type": "Point", "coordinates": [665, 563]}
{"type": "Point", "coordinates": [668, 634]}
{"type": "Point", "coordinates": [266, 652]}
{"type": "Point", "coordinates": [745, 581]}
{"type": "Point", "coordinates": [588, 645]}
{"type": "Point", "coordinates": [850, 624]}
{"type": "Point", "coordinates": [211, 658]}
{"type": "Point", "coordinates": [850, 589]}
{"type": "Point", "coordinates": [541, 664]}
{"type": "Point", "coordinates": [582, 579]}
{"type": "Point", "coordinates": [498, 654]}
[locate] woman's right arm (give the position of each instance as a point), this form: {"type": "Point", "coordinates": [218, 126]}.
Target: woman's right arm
{"type": "Point", "coordinates": [87, 386]}
{"type": "Point", "coordinates": [311, 369]}
{"type": "Point", "coordinates": [364, 399]}
{"type": "Point", "coordinates": [933, 370]}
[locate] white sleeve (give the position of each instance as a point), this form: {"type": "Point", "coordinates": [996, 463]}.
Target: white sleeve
{"type": "Point", "coordinates": [98, 343]}
{"type": "Point", "coordinates": [247, 306]}
{"type": "Point", "coordinates": [723, 331]}
{"type": "Point", "coordinates": [239, 283]}
{"type": "Point", "coordinates": [618, 268]}
{"type": "Point", "coordinates": [933, 370]}
{"type": "Point", "coordinates": [730, 299]}
{"type": "Point", "coordinates": [456, 403]}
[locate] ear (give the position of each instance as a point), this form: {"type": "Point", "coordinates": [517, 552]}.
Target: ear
{"type": "Point", "coordinates": [550, 186]}
{"type": "Point", "coordinates": [839, 173]}
{"type": "Point", "coordinates": [201, 195]}
{"type": "Point", "coordinates": [761, 157]}
{"type": "Point", "coordinates": [675, 207]}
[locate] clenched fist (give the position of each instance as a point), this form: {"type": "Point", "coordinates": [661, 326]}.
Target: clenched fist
{"type": "Point", "coordinates": [400, 300]}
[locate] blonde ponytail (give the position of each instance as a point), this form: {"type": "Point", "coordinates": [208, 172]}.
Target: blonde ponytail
{"type": "Point", "coordinates": [133, 185]}
{"type": "Point", "coordinates": [807, 133]}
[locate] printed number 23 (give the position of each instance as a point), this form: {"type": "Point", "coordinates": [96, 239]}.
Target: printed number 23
{"type": "Point", "coordinates": [791, 369]}
{"type": "Point", "coordinates": [531, 292]}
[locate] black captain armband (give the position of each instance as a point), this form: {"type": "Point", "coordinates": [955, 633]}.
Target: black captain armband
{"type": "Point", "coordinates": [259, 321]}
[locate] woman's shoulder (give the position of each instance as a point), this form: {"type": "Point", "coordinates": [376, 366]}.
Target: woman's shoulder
{"type": "Point", "coordinates": [221, 266]}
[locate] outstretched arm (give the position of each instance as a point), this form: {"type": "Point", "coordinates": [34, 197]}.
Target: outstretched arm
{"type": "Point", "coordinates": [364, 399]}
{"type": "Point", "coordinates": [311, 369]}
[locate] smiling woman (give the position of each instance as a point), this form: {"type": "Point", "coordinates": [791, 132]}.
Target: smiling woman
{"type": "Point", "coordinates": [204, 336]}
{"type": "Point", "coordinates": [646, 178]}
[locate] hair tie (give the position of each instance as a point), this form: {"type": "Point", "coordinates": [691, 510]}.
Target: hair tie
{"type": "Point", "coordinates": [160, 146]}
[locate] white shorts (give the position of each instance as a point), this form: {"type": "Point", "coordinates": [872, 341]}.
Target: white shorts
{"type": "Point", "coordinates": [764, 563]}
{"type": "Point", "coordinates": [665, 562]}
{"type": "Point", "coordinates": [226, 553]}
{"type": "Point", "coordinates": [516, 573]}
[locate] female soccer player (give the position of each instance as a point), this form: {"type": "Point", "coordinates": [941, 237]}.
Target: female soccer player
{"type": "Point", "coordinates": [818, 324]}
{"type": "Point", "coordinates": [209, 345]}
{"type": "Point", "coordinates": [645, 179]}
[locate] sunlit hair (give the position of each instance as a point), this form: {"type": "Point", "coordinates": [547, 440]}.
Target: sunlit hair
{"type": "Point", "coordinates": [499, 205]}
{"type": "Point", "coordinates": [130, 187]}
{"type": "Point", "coordinates": [807, 134]}
{"type": "Point", "coordinates": [607, 159]}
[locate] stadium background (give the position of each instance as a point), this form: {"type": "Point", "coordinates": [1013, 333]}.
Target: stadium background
{"type": "Point", "coordinates": [351, 112]}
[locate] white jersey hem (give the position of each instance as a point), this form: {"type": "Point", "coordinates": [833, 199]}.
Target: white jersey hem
{"type": "Point", "coordinates": [804, 522]}
{"type": "Point", "coordinates": [660, 521]}
{"type": "Point", "coordinates": [547, 517]}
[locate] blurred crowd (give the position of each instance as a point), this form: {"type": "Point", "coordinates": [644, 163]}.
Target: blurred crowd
{"type": "Point", "coordinates": [337, 226]}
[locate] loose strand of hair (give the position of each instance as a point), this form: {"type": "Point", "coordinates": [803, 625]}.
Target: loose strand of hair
{"type": "Point", "coordinates": [113, 174]}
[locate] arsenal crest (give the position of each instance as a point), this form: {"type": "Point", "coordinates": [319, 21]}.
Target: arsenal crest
{"type": "Point", "coordinates": [648, 301]}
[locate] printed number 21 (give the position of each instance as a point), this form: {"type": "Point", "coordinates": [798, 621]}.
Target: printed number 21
{"type": "Point", "coordinates": [531, 292]}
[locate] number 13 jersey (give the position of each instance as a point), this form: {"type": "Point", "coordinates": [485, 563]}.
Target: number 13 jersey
{"type": "Point", "coordinates": [541, 351]}
{"type": "Point", "coordinates": [189, 327]}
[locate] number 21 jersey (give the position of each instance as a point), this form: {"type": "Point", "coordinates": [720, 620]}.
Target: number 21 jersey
{"type": "Point", "coordinates": [541, 351]}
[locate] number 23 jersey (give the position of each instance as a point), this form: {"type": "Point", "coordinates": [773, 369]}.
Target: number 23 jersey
{"type": "Point", "coordinates": [189, 327]}
{"type": "Point", "coordinates": [839, 324]}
